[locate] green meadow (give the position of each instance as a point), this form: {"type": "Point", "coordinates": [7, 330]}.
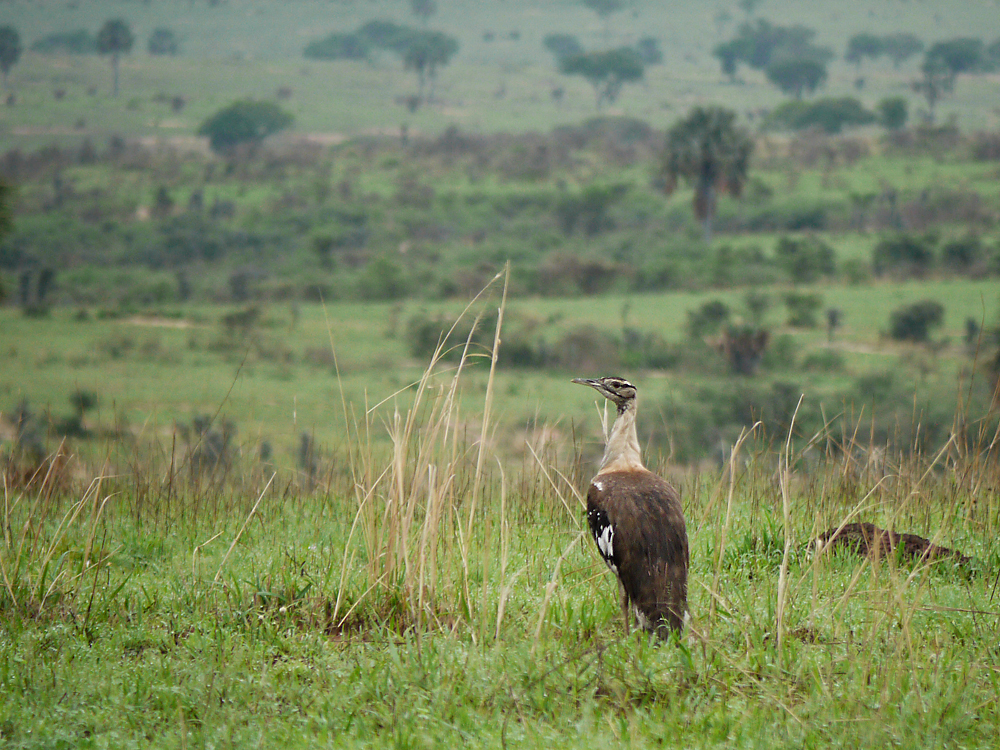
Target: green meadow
{"type": "Point", "coordinates": [289, 451]}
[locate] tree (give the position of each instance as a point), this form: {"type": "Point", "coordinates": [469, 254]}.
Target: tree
{"type": "Point", "coordinates": [760, 44]}
{"type": "Point", "coordinates": [338, 47]}
{"type": "Point", "coordinates": [244, 122]}
{"type": "Point", "coordinates": [936, 80]}
{"type": "Point", "coordinates": [892, 112]}
{"type": "Point", "coordinates": [606, 71]}
{"type": "Point", "coordinates": [10, 50]}
{"type": "Point", "coordinates": [901, 47]}
{"type": "Point", "coordinates": [604, 9]}
{"type": "Point", "coordinates": [914, 322]}
{"type": "Point", "coordinates": [863, 45]}
{"type": "Point", "coordinates": [423, 9]}
{"type": "Point", "coordinates": [959, 55]}
{"type": "Point", "coordinates": [562, 45]}
{"type": "Point", "coordinates": [425, 53]}
{"type": "Point", "coordinates": [794, 75]}
{"type": "Point", "coordinates": [830, 114]}
{"type": "Point", "coordinates": [708, 150]}
{"type": "Point", "coordinates": [163, 41]}
{"type": "Point", "coordinates": [115, 39]}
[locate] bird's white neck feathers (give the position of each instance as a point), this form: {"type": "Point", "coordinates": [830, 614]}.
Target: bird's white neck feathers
{"type": "Point", "coordinates": [622, 451]}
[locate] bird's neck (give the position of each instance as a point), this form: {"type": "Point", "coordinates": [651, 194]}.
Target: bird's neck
{"type": "Point", "coordinates": [622, 451]}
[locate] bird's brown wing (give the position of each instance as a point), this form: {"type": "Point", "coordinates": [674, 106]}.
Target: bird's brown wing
{"type": "Point", "coordinates": [648, 539]}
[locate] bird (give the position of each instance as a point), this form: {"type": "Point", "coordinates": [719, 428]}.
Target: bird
{"type": "Point", "coordinates": [637, 521]}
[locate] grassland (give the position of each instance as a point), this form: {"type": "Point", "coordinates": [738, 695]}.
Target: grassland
{"type": "Point", "coordinates": [253, 48]}
{"type": "Point", "coordinates": [416, 600]}
{"type": "Point", "coordinates": [285, 523]}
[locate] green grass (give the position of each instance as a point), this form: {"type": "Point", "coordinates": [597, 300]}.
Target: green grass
{"type": "Point", "coordinates": [253, 47]}
{"type": "Point", "coordinates": [188, 615]}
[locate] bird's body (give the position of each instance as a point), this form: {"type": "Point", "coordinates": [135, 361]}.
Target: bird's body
{"type": "Point", "coordinates": [637, 521]}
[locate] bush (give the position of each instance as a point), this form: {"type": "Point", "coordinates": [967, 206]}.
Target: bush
{"type": "Point", "coordinates": [892, 112]}
{"type": "Point", "coordinates": [914, 322]}
{"type": "Point", "coordinates": [806, 258]}
{"type": "Point", "coordinates": [338, 47]}
{"type": "Point", "coordinates": [904, 255]}
{"type": "Point", "coordinates": [802, 309]}
{"type": "Point", "coordinates": [964, 254]}
{"type": "Point", "coordinates": [831, 115]}
{"type": "Point", "coordinates": [79, 42]}
{"type": "Point", "coordinates": [707, 319]}
{"type": "Point", "coordinates": [562, 45]}
{"type": "Point", "coordinates": [244, 121]}
{"type": "Point", "coordinates": [163, 41]}
{"type": "Point", "coordinates": [382, 279]}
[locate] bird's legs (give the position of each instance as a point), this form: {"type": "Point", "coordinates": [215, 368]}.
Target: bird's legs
{"type": "Point", "coordinates": [623, 600]}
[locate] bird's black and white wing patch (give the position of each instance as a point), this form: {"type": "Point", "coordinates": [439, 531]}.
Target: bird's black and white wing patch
{"type": "Point", "coordinates": [604, 534]}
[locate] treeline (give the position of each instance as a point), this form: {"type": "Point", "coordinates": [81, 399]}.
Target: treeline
{"type": "Point", "coordinates": [314, 230]}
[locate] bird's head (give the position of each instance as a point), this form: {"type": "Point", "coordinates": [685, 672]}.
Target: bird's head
{"type": "Point", "coordinates": [615, 389]}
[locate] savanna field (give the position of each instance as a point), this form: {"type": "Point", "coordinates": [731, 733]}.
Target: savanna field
{"type": "Point", "coordinates": [290, 452]}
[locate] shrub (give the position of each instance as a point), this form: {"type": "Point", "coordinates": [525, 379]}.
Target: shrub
{"type": "Point", "coordinates": [914, 322]}
{"type": "Point", "coordinates": [802, 309]}
{"type": "Point", "coordinates": [382, 279]}
{"type": "Point", "coordinates": [338, 47]}
{"type": "Point", "coordinates": [245, 121]}
{"type": "Point", "coordinates": [163, 41]}
{"type": "Point", "coordinates": [707, 319]}
{"type": "Point", "coordinates": [903, 255]}
{"type": "Point", "coordinates": [78, 42]}
{"type": "Point", "coordinates": [892, 112]}
{"type": "Point", "coordinates": [962, 254]}
{"type": "Point", "coordinates": [831, 115]}
{"type": "Point", "coordinates": [562, 45]}
{"type": "Point", "coordinates": [805, 259]}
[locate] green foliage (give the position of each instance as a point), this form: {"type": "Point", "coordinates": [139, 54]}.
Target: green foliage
{"type": "Point", "coordinates": [904, 255]}
{"type": "Point", "coordinates": [707, 319]}
{"type": "Point", "coordinates": [864, 45]}
{"type": "Point", "coordinates": [832, 115]}
{"type": "Point", "coordinates": [423, 9]}
{"type": "Point", "coordinates": [649, 50]}
{"type": "Point", "coordinates": [892, 112]}
{"type": "Point", "coordinates": [803, 309]}
{"type": "Point", "coordinates": [805, 259]}
{"type": "Point", "coordinates": [901, 47]}
{"type": "Point", "coordinates": [964, 254]}
{"type": "Point", "coordinates": [604, 8]}
{"type": "Point", "coordinates": [607, 71]}
{"type": "Point", "coordinates": [760, 45]}
{"type": "Point", "coordinates": [337, 46]}
{"type": "Point", "coordinates": [562, 45]}
{"type": "Point", "coordinates": [382, 279]}
{"type": "Point", "coordinates": [10, 49]}
{"type": "Point", "coordinates": [163, 41]}
{"type": "Point", "coordinates": [427, 51]}
{"type": "Point", "coordinates": [387, 35]}
{"type": "Point", "coordinates": [914, 322]}
{"type": "Point", "coordinates": [114, 38]}
{"type": "Point", "coordinates": [796, 75]}
{"type": "Point", "coordinates": [589, 208]}
{"type": "Point", "coordinates": [78, 42]}
{"type": "Point", "coordinates": [709, 150]}
{"type": "Point", "coordinates": [959, 55]}
{"type": "Point", "coordinates": [244, 122]}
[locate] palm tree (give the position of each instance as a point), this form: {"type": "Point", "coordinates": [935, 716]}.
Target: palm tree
{"type": "Point", "coordinates": [707, 150]}
{"type": "Point", "coordinates": [10, 50]}
{"type": "Point", "coordinates": [115, 38]}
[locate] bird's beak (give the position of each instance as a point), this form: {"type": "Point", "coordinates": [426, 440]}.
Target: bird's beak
{"type": "Point", "coordinates": [586, 381]}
